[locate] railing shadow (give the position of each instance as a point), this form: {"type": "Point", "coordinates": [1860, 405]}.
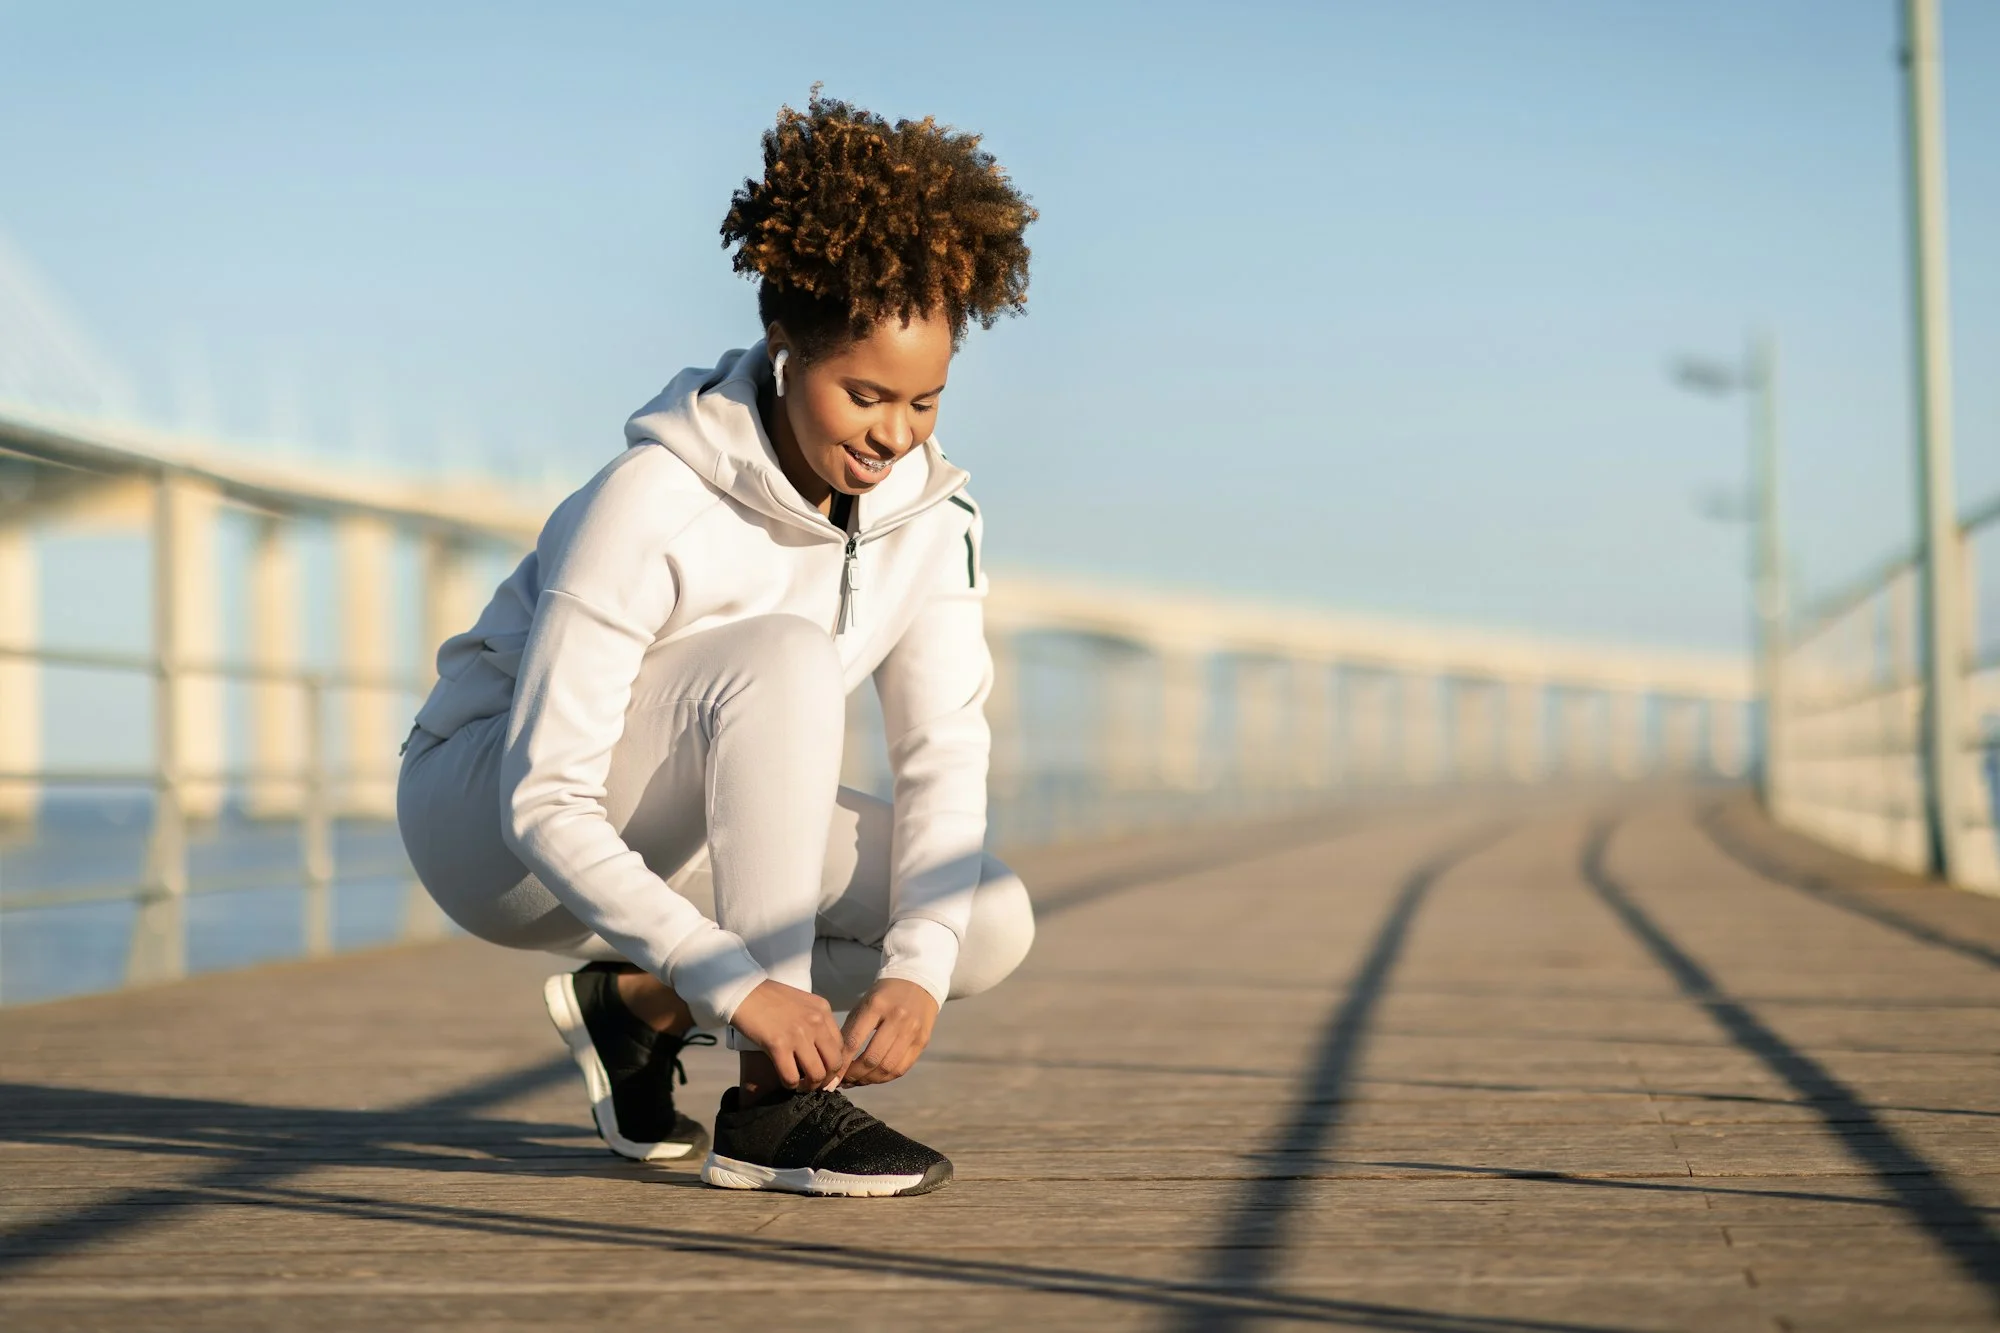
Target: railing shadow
{"type": "Point", "coordinates": [1823, 888]}
{"type": "Point", "coordinates": [1930, 1201]}
{"type": "Point", "coordinates": [1247, 1246]}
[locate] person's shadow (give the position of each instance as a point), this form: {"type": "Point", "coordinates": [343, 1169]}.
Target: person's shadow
{"type": "Point", "coordinates": [247, 1149]}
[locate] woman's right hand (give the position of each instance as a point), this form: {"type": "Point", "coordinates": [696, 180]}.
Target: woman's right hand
{"type": "Point", "coordinates": [797, 1031]}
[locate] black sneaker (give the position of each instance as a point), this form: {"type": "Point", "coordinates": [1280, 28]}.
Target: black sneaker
{"type": "Point", "coordinates": [628, 1068]}
{"type": "Point", "coordinates": [817, 1143]}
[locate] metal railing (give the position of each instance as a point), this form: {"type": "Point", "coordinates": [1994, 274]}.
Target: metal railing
{"type": "Point", "coordinates": [158, 946]}
{"type": "Point", "coordinates": [1848, 762]}
{"type": "Point", "coordinates": [197, 804]}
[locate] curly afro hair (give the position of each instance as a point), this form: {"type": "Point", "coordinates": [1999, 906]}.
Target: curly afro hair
{"type": "Point", "coordinates": [857, 221]}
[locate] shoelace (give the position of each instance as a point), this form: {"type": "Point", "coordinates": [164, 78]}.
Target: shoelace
{"type": "Point", "coordinates": [680, 1044]}
{"type": "Point", "coordinates": [839, 1117]}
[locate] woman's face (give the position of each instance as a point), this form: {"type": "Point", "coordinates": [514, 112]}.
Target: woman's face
{"type": "Point", "coordinates": [857, 411]}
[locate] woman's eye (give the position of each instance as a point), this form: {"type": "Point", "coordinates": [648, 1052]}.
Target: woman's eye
{"type": "Point", "coordinates": [924, 407]}
{"type": "Point", "coordinates": [858, 400]}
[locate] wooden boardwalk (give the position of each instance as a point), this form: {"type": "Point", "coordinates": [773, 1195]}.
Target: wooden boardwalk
{"type": "Point", "coordinates": [1632, 1063]}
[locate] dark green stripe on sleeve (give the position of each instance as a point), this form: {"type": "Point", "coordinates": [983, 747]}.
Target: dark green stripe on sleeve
{"type": "Point", "coordinates": [971, 552]}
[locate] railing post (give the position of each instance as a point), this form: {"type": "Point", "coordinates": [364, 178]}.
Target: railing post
{"type": "Point", "coordinates": [1311, 744]}
{"type": "Point", "coordinates": [1582, 748]}
{"type": "Point", "coordinates": [1365, 726]}
{"type": "Point", "coordinates": [1339, 730]}
{"type": "Point", "coordinates": [1979, 856]}
{"type": "Point", "coordinates": [1257, 724]}
{"type": "Point", "coordinates": [364, 545]}
{"type": "Point", "coordinates": [316, 826]}
{"type": "Point", "coordinates": [1184, 707]}
{"type": "Point", "coordinates": [159, 930]}
{"type": "Point", "coordinates": [20, 677]}
{"type": "Point", "coordinates": [189, 509]}
{"type": "Point", "coordinates": [1473, 739]}
{"type": "Point", "coordinates": [1678, 735]}
{"type": "Point", "coordinates": [277, 745]}
{"type": "Point", "coordinates": [1127, 750]}
{"type": "Point", "coordinates": [1625, 719]}
{"type": "Point", "coordinates": [1527, 729]}
{"type": "Point", "coordinates": [1420, 733]}
{"type": "Point", "coordinates": [1725, 737]}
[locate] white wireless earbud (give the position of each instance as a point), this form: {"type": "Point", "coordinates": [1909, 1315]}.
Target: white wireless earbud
{"type": "Point", "coordinates": [778, 369]}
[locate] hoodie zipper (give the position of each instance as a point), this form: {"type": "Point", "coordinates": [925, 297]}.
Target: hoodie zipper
{"type": "Point", "coordinates": [850, 568]}
{"type": "Point", "coordinates": [849, 617]}
{"type": "Point", "coordinates": [850, 586]}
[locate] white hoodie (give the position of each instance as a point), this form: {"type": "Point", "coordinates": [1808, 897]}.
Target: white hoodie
{"type": "Point", "coordinates": [692, 527]}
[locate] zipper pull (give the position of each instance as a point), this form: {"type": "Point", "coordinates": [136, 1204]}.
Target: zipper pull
{"type": "Point", "coordinates": [850, 586]}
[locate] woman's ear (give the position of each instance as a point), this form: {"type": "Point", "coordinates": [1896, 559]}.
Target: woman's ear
{"type": "Point", "coordinates": [778, 347]}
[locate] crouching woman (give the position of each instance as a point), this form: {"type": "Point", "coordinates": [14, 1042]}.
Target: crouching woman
{"type": "Point", "coordinates": [633, 756]}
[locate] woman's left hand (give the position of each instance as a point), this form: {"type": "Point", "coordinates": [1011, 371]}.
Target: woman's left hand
{"type": "Point", "coordinates": [894, 1021]}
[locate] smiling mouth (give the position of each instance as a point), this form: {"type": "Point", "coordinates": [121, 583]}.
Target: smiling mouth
{"type": "Point", "coordinates": [874, 467]}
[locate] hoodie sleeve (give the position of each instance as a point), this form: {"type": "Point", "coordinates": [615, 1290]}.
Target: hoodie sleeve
{"type": "Point", "coordinates": [607, 587]}
{"type": "Point", "coordinates": [933, 686]}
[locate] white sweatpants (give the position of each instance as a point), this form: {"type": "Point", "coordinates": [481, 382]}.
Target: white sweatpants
{"type": "Point", "coordinates": [743, 815]}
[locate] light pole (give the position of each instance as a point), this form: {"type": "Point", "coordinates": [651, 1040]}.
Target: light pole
{"type": "Point", "coordinates": [1947, 800]}
{"type": "Point", "coordinates": [1755, 377]}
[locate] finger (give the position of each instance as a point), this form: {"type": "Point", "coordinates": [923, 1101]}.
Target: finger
{"type": "Point", "coordinates": [831, 1043]}
{"type": "Point", "coordinates": [836, 1067]}
{"type": "Point", "coordinates": [895, 1061]}
{"type": "Point", "coordinates": [862, 1071]}
{"type": "Point", "coordinates": [884, 1059]}
{"type": "Point", "coordinates": [833, 1053]}
{"type": "Point", "coordinates": [812, 1067]}
{"type": "Point", "coordinates": [861, 1025]}
{"type": "Point", "coordinates": [915, 1041]}
{"type": "Point", "coordinates": [788, 1069]}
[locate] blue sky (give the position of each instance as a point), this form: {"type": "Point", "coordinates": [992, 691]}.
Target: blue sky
{"type": "Point", "coordinates": [1349, 303]}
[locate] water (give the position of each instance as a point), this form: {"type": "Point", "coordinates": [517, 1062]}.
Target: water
{"type": "Point", "coordinates": [246, 901]}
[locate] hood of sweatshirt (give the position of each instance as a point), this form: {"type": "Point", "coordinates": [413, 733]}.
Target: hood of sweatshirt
{"type": "Point", "coordinates": [709, 420]}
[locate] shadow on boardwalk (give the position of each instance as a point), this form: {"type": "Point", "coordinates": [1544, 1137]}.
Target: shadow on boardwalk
{"type": "Point", "coordinates": [1714, 822]}
{"type": "Point", "coordinates": [257, 1151]}
{"type": "Point", "coordinates": [1928, 1199]}
{"type": "Point", "coordinates": [1250, 1242]}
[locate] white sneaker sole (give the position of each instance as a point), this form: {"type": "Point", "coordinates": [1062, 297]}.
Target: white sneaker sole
{"type": "Point", "coordinates": [730, 1174]}
{"type": "Point", "coordinates": [559, 994]}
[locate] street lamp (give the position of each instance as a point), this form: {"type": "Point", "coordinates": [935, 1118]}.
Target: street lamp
{"type": "Point", "coordinates": [1755, 377]}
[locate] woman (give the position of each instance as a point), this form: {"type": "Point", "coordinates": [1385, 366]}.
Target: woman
{"type": "Point", "coordinates": [649, 713]}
